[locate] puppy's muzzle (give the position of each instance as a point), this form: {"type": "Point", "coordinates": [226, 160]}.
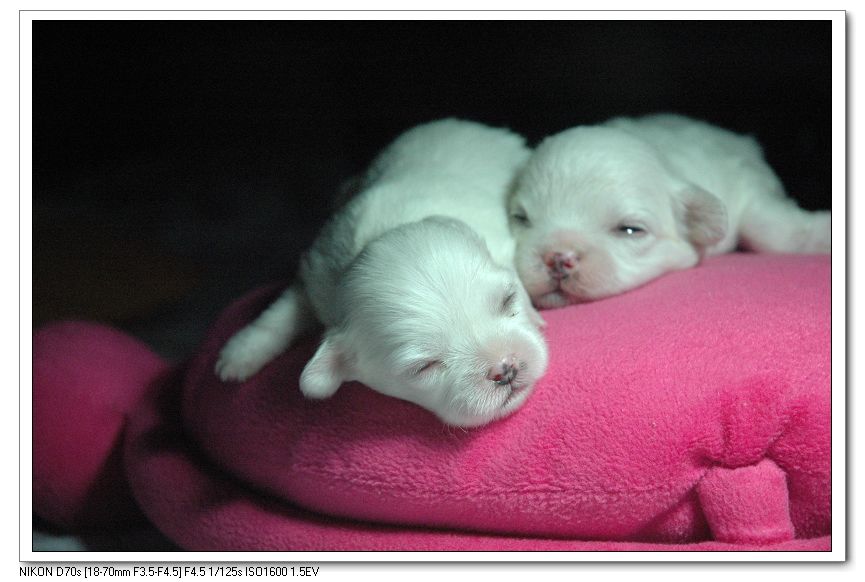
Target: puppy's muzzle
{"type": "Point", "coordinates": [561, 265]}
{"type": "Point", "coordinates": [505, 371]}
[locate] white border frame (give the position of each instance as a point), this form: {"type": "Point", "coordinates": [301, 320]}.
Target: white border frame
{"type": "Point", "coordinates": [839, 297]}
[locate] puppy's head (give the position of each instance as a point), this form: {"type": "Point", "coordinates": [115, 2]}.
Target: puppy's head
{"type": "Point", "coordinates": [433, 320]}
{"type": "Point", "coordinates": [596, 213]}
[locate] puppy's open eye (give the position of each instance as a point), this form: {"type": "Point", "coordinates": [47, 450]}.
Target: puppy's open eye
{"type": "Point", "coordinates": [426, 366]}
{"type": "Point", "coordinates": [520, 217]}
{"type": "Point", "coordinates": [630, 230]}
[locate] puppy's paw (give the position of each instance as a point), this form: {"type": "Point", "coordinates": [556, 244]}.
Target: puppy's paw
{"type": "Point", "coordinates": [245, 354]}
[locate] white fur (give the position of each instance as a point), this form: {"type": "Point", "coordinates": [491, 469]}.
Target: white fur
{"type": "Point", "coordinates": [410, 280]}
{"type": "Point", "coordinates": [692, 189]}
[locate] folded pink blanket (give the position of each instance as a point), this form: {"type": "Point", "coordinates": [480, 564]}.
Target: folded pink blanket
{"type": "Point", "coordinates": [690, 414]}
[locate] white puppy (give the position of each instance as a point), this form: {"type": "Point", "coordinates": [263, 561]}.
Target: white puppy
{"type": "Point", "coordinates": [414, 303]}
{"type": "Point", "coordinates": [602, 209]}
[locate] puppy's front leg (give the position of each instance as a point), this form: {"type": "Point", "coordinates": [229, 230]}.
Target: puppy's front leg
{"type": "Point", "coordinates": [259, 342]}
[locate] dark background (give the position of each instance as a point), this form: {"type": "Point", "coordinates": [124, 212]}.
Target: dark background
{"type": "Point", "coordinates": [177, 164]}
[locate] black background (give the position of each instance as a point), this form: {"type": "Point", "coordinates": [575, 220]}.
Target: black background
{"type": "Point", "coordinates": [189, 161]}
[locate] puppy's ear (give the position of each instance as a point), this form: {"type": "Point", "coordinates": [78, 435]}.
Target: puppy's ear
{"type": "Point", "coordinates": [326, 370]}
{"type": "Point", "coordinates": [703, 216]}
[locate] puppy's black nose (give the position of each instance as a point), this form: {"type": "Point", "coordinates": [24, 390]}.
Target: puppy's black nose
{"type": "Point", "coordinates": [505, 371]}
{"type": "Point", "coordinates": [561, 264]}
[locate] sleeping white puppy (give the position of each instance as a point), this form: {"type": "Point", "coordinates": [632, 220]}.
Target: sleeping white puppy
{"type": "Point", "coordinates": [414, 303]}
{"type": "Point", "coordinates": [602, 209]}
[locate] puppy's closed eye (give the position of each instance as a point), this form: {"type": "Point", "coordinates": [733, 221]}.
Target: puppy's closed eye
{"type": "Point", "coordinates": [424, 366]}
{"type": "Point", "coordinates": [520, 216]}
{"type": "Point", "coordinates": [508, 303]}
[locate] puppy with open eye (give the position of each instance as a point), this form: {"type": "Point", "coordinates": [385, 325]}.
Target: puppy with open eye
{"type": "Point", "coordinates": [414, 282]}
{"type": "Point", "coordinates": [602, 209]}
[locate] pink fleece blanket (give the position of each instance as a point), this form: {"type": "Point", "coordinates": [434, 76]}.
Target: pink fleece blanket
{"type": "Point", "coordinates": [690, 414]}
